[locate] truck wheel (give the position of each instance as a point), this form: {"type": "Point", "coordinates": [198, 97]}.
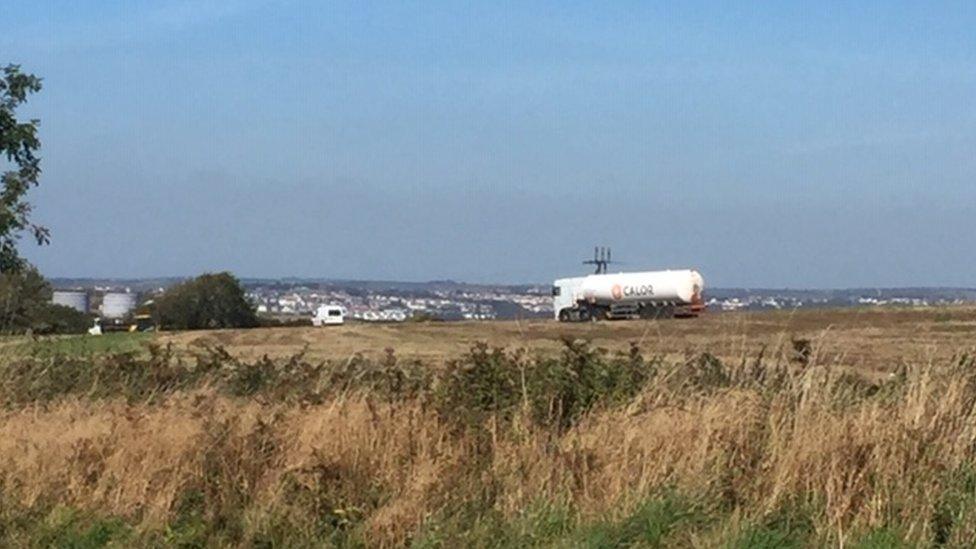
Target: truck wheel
{"type": "Point", "coordinates": [564, 315]}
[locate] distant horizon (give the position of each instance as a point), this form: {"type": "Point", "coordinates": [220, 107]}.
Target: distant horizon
{"type": "Point", "coordinates": [500, 284]}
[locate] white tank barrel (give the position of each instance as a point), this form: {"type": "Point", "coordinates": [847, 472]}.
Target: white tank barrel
{"type": "Point", "coordinates": [118, 305]}
{"type": "Point", "coordinates": [77, 300]}
{"type": "Point", "coordinates": [683, 287]}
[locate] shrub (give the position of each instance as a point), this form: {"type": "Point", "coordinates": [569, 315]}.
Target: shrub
{"type": "Point", "coordinates": [569, 386]}
{"type": "Point", "coordinates": [494, 384]}
{"type": "Point", "coordinates": [25, 306]}
{"type": "Point", "coordinates": [209, 301]}
{"type": "Point", "coordinates": [58, 319]}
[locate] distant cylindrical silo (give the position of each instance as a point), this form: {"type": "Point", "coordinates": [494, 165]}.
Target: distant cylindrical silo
{"type": "Point", "coordinates": [77, 300]}
{"type": "Point", "coordinates": [118, 305]}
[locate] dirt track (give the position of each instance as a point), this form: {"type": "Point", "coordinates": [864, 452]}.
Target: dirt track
{"type": "Point", "coordinates": [873, 339]}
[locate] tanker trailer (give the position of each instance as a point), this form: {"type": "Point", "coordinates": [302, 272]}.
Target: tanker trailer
{"type": "Point", "coordinates": [651, 294]}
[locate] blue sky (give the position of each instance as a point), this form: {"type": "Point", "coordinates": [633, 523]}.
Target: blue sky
{"type": "Point", "coordinates": [813, 144]}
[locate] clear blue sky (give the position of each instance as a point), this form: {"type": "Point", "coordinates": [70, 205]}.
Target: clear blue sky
{"type": "Point", "coordinates": [794, 144]}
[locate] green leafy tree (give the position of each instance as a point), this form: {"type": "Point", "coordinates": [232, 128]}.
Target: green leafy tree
{"type": "Point", "coordinates": [22, 295]}
{"type": "Point", "coordinates": [25, 305]}
{"type": "Point", "coordinates": [19, 146]}
{"type": "Point", "coordinates": [209, 301]}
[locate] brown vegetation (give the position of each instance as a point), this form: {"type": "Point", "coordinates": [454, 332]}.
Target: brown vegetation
{"type": "Point", "coordinates": [378, 453]}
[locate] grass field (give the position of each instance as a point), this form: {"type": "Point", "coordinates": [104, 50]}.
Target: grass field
{"type": "Point", "coordinates": [715, 432]}
{"type": "Point", "coordinates": [868, 340]}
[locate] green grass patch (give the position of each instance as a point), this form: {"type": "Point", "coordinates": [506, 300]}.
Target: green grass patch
{"type": "Point", "coordinates": [664, 521]}
{"type": "Point", "coordinates": [70, 529]}
{"type": "Point", "coordinates": [790, 526]}
{"type": "Point", "coordinates": [655, 523]}
{"type": "Point", "coordinates": [882, 538]}
{"type": "Point", "coordinates": [82, 345]}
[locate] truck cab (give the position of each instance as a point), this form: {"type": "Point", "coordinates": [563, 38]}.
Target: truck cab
{"type": "Point", "coordinates": [565, 294]}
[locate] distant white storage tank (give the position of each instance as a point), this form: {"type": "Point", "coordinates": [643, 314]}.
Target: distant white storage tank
{"type": "Point", "coordinates": [76, 299]}
{"type": "Point", "coordinates": [118, 304]}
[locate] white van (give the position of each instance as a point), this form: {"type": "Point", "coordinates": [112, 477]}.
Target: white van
{"type": "Point", "coordinates": [329, 315]}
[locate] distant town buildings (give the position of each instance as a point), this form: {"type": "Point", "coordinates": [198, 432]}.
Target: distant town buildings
{"type": "Point", "coordinates": [487, 303]}
{"type": "Point", "coordinates": [398, 306]}
{"type": "Point", "coordinates": [397, 302]}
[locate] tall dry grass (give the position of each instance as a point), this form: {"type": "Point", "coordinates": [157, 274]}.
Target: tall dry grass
{"type": "Point", "coordinates": [355, 465]}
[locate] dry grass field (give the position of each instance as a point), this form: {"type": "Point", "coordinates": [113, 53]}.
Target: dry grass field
{"type": "Point", "coordinates": [709, 433]}
{"type": "Point", "coordinates": [868, 340]}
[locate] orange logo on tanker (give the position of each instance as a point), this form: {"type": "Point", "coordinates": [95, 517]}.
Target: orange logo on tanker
{"type": "Point", "coordinates": [617, 292]}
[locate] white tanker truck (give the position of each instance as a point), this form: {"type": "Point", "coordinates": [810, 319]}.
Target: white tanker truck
{"type": "Point", "coordinates": [651, 294]}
